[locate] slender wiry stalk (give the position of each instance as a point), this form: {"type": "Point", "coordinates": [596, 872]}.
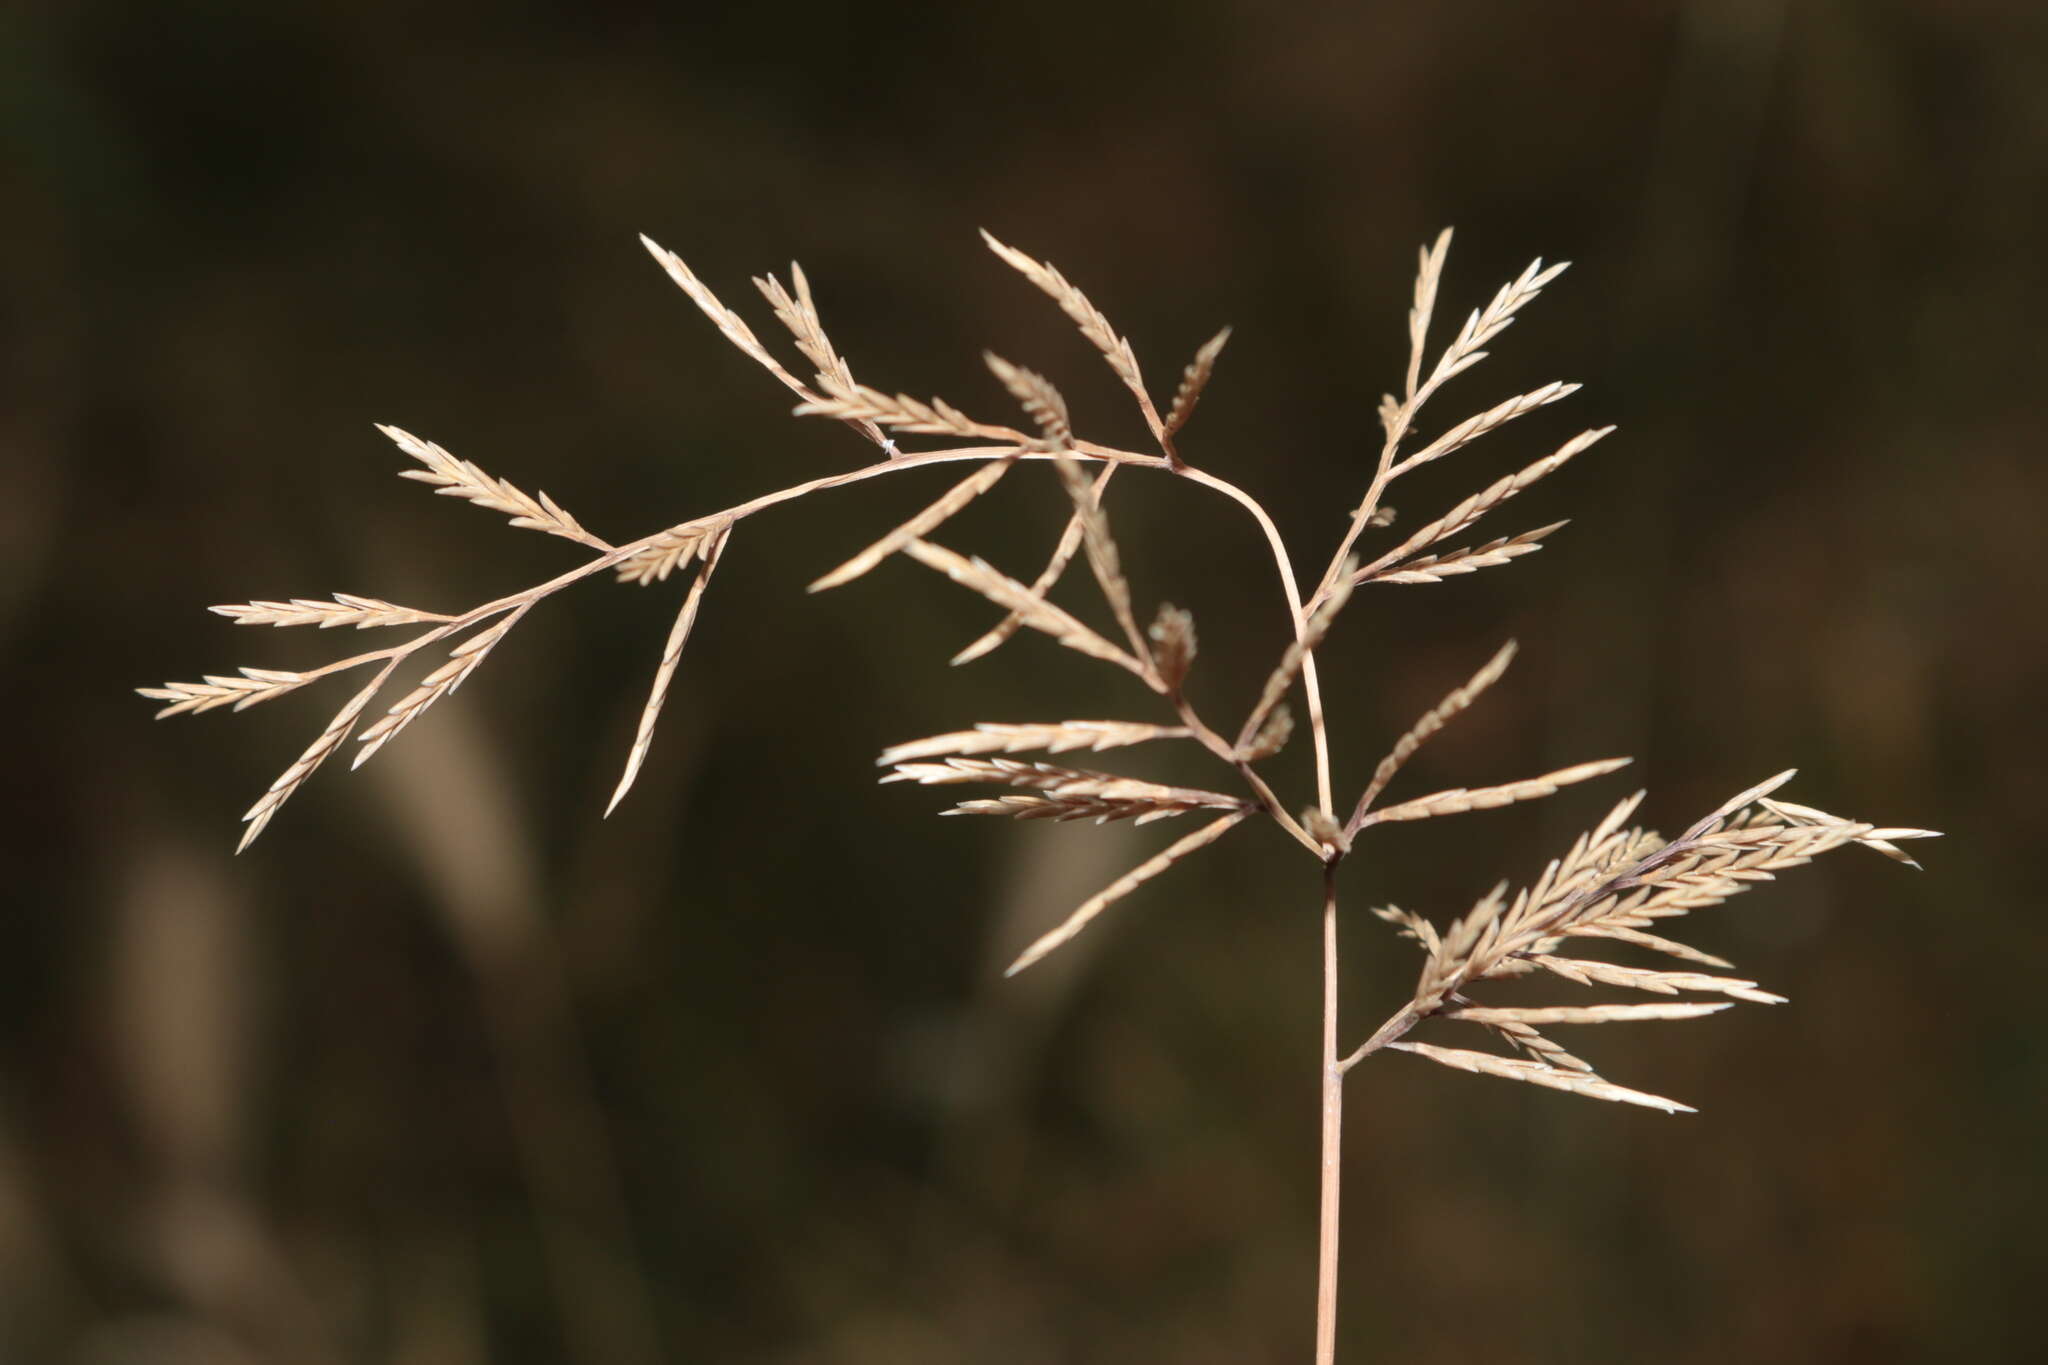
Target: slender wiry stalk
{"type": "Point", "coordinates": [1611, 887]}
{"type": "Point", "coordinates": [1332, 1082]}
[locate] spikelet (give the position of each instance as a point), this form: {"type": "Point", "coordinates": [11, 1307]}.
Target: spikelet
{"type": "Point", "coordinates": [1298, 649]}
{"type": "Point", "coordinates": [1478, 425]}
{"type": "Point", "coordinates": [1034, 610]}
{"type": "Point", "coordinates": [1470, 559]}
{"type": "Point", "coordinates": [671, 655]}
{"type": "Point", "coordinates": [859, 403]}
{"type": "Point", "coordinates": [1272, 736]}
{"type": "Point", "coordinates": [1622, 933]}
{"type": "Point", "coordinates": [1052, 737]}
{"type": "Point", "coordinates": [1430, 722]}
{"type": "Point", "coordinates": [1100, 809]}
{"type": "Point", "coordinates": [730, 325]}
{"type": "Point", "coordinates": [1469, 511]}
{"type": "Point", "coordinates": [1458, 800]}
{"type": "Point", "coordinates": [346, 609]}
{"type": "Point", "coordinates": [1536, 1045]}
{"type": "Point", "coordinates": [303, 766]}
{"type": "Point", "coordinates": [1536, 1073]}
{"type": "Point", "coordinates": [1123, 886]}
{"type": "Point", "coordinates": [1063, 793]}
{"type": "Point", "coordinates": [1589, 1014]}
{"type": "Point", "coordinates": [1411, 926]}
{"type": "Point", "coordinates": [937, 514]}
{"type": "Point", "coordinates": [1193, 380]}
{"type": "Point", "coordinates": [673, 549]}
{"type": "Point", "coordinates": [1429, 274]}
{"type": "Point", "coordinates": [1877, 840]}
{"type": "Point", "coordinates": [1094, 326]}
{"type": "Point", "coordinates": [1486, 323]}
{"type": "Point", "coordinates": [1585, 972]}
{"type": "Point", "coordinates": [1104, 560]}
{"type": "Point", "coordinates": [1062, 555]}
{"type": "Point", "coordinates": [461, 479]}
{"type": "Point", "coordinates": [1041, 402]}
{"type": "Point", "coordinates": [462, 661]}
{"type": "Point", "coordinates": [253, 686]}
{"type": "Point", "coordinates": [1172, 633]}
{"type": "Point", "coordinates": [1079, 789]}
{"type": "Point", "coordinates": [799, 313]}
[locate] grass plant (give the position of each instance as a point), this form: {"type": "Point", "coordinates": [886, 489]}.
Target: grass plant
{"type": "Point", "coordinates": [1618, 886]}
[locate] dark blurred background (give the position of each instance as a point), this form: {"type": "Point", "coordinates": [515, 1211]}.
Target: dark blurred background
{"type": "Point", "coordinates": [448, 1070]}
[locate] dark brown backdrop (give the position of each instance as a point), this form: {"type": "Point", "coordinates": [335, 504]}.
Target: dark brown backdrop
{"type": "Point", "coordinates": [447, 1070]}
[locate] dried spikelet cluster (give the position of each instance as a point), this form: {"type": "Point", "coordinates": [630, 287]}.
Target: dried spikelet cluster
{"type": "Point", "coordinates": [1617, 884]}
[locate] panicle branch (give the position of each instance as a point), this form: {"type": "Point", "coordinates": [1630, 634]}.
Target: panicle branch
{"type": "Point", "coordinates": [1397, 416]}
{"type": "Point", "coordinates": [1611, 884]}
